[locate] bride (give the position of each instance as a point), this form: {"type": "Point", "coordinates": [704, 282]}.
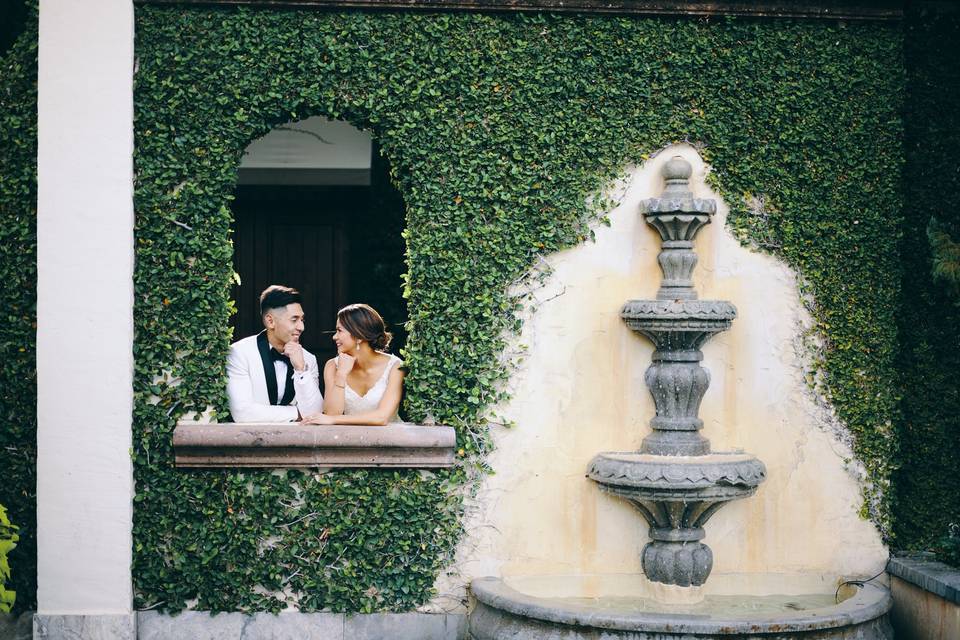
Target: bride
{"type": "Point", "coordinates": [364, 384]}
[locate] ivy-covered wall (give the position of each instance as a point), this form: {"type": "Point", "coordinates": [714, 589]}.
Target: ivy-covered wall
{"type": "Point", "coordinates": [18, 284]}
{"type": "Point", "coordinates": [497, 129]}
{"type": "Point", "coordinates": [927, 481]}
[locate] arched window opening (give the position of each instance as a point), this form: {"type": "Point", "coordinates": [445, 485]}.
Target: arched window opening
{"type": "Point", "coordinates": [314, 209]}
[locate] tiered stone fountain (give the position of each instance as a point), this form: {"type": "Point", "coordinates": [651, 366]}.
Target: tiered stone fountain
{"type": "Point", "coordinates": [674, 480]}
{"type": "Point", "coordinates": [676, 483]}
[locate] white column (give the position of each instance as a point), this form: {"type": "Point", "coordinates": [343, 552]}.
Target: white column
{"type": "Point", "coordinates": [85, 318]}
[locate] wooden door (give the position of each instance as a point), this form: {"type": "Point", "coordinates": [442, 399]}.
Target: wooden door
{"type": "Point", "coordinates": [294, 236]}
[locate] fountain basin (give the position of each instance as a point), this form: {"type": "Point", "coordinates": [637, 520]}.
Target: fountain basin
{"type": "Point", "coordinates": [676, 495]}
{"type": "Point", "coordinates": [623, 607]}
{"type": "Point", "coordinates": [685, 475]}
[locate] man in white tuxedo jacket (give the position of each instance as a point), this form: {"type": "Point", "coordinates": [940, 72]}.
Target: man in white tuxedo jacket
{"type": "Point", "coordinates": [270, 377]}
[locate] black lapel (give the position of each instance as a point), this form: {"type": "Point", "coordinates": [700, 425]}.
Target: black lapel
{"type": "Point", "coordinates": [269, 371]}
{"type": "Point", "coordinates": [288, 390]}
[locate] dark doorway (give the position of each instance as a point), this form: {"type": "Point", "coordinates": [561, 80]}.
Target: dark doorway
{"type": "Point", "coordinates": [295, 236]}
{"type": "Point", "coordinates": [337, 244]}
{"type": "Point", "coordinates": [13, 20]}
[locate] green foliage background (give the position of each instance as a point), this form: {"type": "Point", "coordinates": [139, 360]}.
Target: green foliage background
{"type": "Point", "coordinates": [18, 284]}
{"type": "Point", "coordinates": [8, 542]}
{"type": "Point", "coordinates": [497, 129]}
{"type": "Point", "coordinates": [928, 483]}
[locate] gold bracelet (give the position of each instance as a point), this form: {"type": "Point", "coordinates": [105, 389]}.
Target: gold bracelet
{"type": "Point", "coordinates": [340, 386]}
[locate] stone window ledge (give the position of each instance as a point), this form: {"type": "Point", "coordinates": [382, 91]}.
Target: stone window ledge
{"type": "Point", "coordinates": [288, 445]}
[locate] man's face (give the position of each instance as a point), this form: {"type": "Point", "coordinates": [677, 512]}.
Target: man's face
{"type": "Point", "coordinates": [285, 323]}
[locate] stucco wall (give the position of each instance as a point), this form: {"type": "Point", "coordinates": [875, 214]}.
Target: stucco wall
{"type": "Point", "coordinates": [580, 391]}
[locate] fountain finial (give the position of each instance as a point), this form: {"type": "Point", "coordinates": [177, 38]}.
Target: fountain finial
{"type": "Point", "coordinates": [676, 172]}
{"type": "Point", "coordinates": [677, 216]}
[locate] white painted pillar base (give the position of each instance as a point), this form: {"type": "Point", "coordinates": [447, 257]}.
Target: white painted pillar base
{"type": "Point", "coordinates": [85, 317]}
{"type": "Point", "coordinates": [103, 627]}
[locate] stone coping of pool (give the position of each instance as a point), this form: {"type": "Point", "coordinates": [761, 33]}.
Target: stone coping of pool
{"type": "Point", "coordinates": [291, 445]}
{"type": "Point", "coordinates": [191, 625]}
{"type": "Point", "coordinates": [924, 571]}
{"type": "Point", "coordinates": [867, 603]}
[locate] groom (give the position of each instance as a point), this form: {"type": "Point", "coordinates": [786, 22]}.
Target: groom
{"type": "Point", "coordinates": [270, 377]}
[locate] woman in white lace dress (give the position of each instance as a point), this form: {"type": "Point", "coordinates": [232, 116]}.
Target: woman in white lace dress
{"type": "Point", "coordinates": [363, 383]}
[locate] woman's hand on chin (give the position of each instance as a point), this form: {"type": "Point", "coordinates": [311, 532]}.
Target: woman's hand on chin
{"type": "Point", "coordinates": [345, 364]}
{"type": "Point", "coordinates": [318, 418]}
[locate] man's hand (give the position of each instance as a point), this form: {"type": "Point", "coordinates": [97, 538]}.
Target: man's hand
{"type": "Point", "coordinates": [318, 418]}
{"type": "Point", "coordinates": [294, 351]}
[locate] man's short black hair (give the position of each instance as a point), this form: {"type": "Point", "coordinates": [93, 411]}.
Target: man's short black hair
{"type": "Point", "coordinates": [276, 297]}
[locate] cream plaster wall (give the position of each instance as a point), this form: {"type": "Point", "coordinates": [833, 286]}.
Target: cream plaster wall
{"type": "Point", "coordinates": [85, 306]}
{"type": "Point", "coordinates": [581, 391]}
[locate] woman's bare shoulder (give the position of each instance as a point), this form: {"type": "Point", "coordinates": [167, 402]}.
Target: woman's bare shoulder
{"type": "Point", "coordinates": [396, 366]}
{"type": "Point", "coordinates": [390, 359]}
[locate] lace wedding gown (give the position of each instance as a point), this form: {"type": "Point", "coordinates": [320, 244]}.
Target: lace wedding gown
{"type": "Point", "coordinates": [354, 403]}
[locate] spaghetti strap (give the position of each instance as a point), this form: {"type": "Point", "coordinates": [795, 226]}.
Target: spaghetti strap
{"type": "Point", "coordinates": [393, 361]}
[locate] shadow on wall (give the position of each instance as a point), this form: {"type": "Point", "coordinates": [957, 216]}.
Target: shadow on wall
{"type": "Point", "coordinates": [926, 484]}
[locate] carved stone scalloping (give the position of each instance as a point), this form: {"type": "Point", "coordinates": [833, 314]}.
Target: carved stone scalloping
{"type": "Point", "coordinates": [681, 205]}
{"type": "Point", "coordinates": [677, 337]}
{"type": "Point", "coordinates": [674, 226]}
{"type": "Point", "coordinates": [679, 310]}
{"type": "Point", "coordinates": [684, 564]}
{"type": "Point", "coordinates": [677, 389]}
{"type": "Point", "coordinates": [677, 268]}
{"type": "Point", "coordinates": [663, 472]}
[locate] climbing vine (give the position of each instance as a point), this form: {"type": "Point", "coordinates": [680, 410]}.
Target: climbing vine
{"type": "Point", "coordinates": [8, 542]}
{"type": "Point", "coordinates": [497, 129]}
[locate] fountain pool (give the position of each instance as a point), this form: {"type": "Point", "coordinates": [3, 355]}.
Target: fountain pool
{"type": "Point", "coordinates": [626, 607]}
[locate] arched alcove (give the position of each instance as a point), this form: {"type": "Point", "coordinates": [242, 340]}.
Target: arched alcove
{"type": "Point", "coordinates": [314, 209]}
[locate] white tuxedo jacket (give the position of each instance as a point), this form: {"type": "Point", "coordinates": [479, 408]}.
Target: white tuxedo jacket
{"type": "Point", "coordinates": [247, 386]}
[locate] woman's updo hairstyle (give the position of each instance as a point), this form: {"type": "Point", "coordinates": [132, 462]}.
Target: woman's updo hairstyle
{"type": "Point", "coordinates": [364, 323]}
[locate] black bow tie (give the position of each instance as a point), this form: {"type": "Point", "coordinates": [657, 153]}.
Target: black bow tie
{"type": "Point", "coordinates": [276, 355]}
